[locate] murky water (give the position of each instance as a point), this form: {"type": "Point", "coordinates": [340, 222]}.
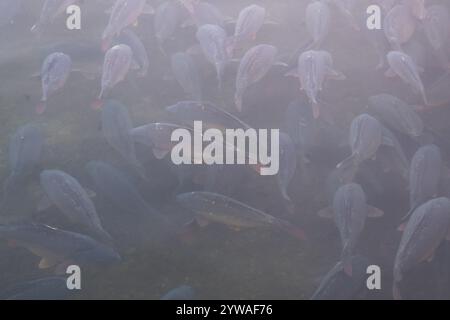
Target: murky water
{"type": "Point", "coordinates": [218, 262]}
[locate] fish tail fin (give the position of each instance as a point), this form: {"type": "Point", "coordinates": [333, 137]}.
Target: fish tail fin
{"type": "Point", "coordinates": [41, 107]}
{"type": "Point", "coordinates": [97, 104]}
{"type": "Point", "coordinates": [346, 259]}
{"type": "Point", "coordinates": [106, 44]}
{"type": "Point", "coordinates": [316, 109]}
{"type": "Point", "coordinates": [396, 291]}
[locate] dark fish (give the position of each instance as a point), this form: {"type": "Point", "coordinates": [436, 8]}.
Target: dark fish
{"type": "Point", "coordinates": [187, 74]}
{"type": "Point", "coordinates": [404, 66]}
{"type": "Point", "coordinates": [180, 293]}
{"type": "Point", "coordinates": [393, 155]}
{"type": "Point", "coordinates": [318, 22]}
{"type": "Point", "coordinates": [396, 114]}
{"type": "Point", "coordinates": [424, 176]}
{"type": "Point", "coordinates": [213, 41]}
{"type": "Point", "coordinates": [216, 208]}
{"type": "Point", "coordinates": [51, 288]}
{"type": "Point", "coordinates": [50, 11]}
{"type": "Point", "coordinates": [156, 136]}
{"type": "Point", "coordinates": [58, 248]}
{"type": "Point", "coordinates": [25, 150]}
{"type": "Point", "coordinates": [166, 21]}
{"type": "Point", "coordinates": [124, 14]}
{"type": "Point", "coordinates": [437, 26]}
{"type": "Point", "coordinates": [54, 73]}
{"type": "Point", "coordinates": [366, 136]}
{"type": "Point", "coordinates": [399, 26]}
{"type": "Point", "coordinates": [426, 229]}
{"type": "Point", "coordinates": [255, 64]}
{"type": "Point", "coordinates": [350, 211]}
{"type": "Point", "coordinates": [113, 185]}
{"type": "Point", "coordinates": [337, 285]}
{"type": "Point", "coordinates": [314, 68]}
{"type": "Point", "coordinates": [288, 165]}
{"type": "Point", "coordinates": [66, 193]}
{"type": "Point", "coordinates": [116, 65]}
{"type": "Point", "coordinates": [116, 128]}
{"type": "Point", "coordinates": [381, 45]}
{"type": "Point", "coordinates": [438, 94]}
{"type": "Point", "coordinates": [437, 31]}
{"type": "Point", "coordinates": [140, 55]}
{"type": "Point", "coordinates": [206, 13]}
{"type": "Point", "coordinates": [8, 11]}
{"type": "Point", "coordinates": [418, 51]}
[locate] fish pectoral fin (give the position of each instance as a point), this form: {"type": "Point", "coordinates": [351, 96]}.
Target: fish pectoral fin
{"type": "Point", "coordinates": [271, 22]}
{"type": "Point", "coordinates": [336, 75]}
{"type": "Point", "coordinates": [36, 75]}
{"type": "Point", "coordinates": [373, 212]}
{"type": "Point", "coordinates": [148, 9]}
{"type": "Point", "coordinates": [201, 222]}
{"type": "Point", "coordinates": [292, 73]}
{"type": "Point", "coordinates": [388, 141]}
{"type": "Point", "coordinates": [47, 262]}
{"type": "Point", "coordinates": [44, 204]}
{"type": "Point", "coordinates": [280, 64]}
{"type": "Point", "coordinates": [430, 257]}
{"type": "Point", "coordinates": [390, 73]}
{"type": "Point", "coordinates": [91, 193]}
{"type": "Point", "coordinates": [326, 213]}
{"type": "Point", "coordinates": [159, 153]}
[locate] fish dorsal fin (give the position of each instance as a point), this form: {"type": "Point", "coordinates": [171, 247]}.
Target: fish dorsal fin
{"type": "Point", "coordinates": [373, 212]}
{"type": "Point", "coordinates": [292, 73]}
{"type": "Point", "coordinates": [47, 262]}
{"type": "Point", "coordinates": [326, 213]}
